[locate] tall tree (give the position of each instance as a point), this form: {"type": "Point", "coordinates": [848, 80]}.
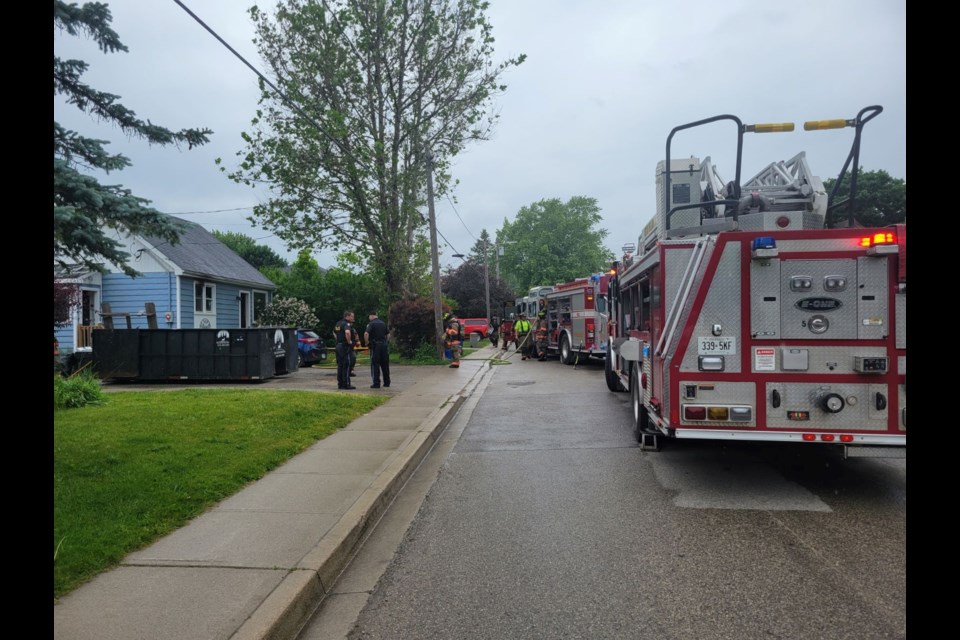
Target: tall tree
{"type": "Point", "coordinates": [373, 90]}
{"type": "Point", "coordinates": [465, 285]}
{"type": "Point", "coordinates": [82, 207]}
{"type": "Point", "coordinates": [551, 241]}
{"type": "Point", "coordinates": [259, 256]}
{"type": "Point", "coordinates": [329, 292]}
{"type": "Point", "coordinates": [880, 200]}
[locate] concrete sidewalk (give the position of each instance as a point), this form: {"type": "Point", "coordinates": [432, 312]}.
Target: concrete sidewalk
{"type": "Point", "coordinates": [257, 565]}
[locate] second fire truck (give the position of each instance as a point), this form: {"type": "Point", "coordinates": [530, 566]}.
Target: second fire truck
{"type": "Point", "coordinates": [576, 314]}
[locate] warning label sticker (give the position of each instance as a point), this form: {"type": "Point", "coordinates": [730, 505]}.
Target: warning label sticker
{"type": "Point", "coordinates": [764, 359]}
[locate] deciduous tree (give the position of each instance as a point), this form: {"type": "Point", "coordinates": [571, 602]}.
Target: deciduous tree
{"type": "Point", "coordinates": [372, 89]}
{"type": "Point", "coordinates": [880, 200]}
{"type": "Point", "coordinates": [552, 241]}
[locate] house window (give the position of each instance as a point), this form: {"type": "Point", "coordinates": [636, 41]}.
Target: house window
{"type": "Point", "coordinates": [203, 297]}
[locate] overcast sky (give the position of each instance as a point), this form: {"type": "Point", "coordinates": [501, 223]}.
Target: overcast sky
{"type": "Point", "coordinates": [587, 114]}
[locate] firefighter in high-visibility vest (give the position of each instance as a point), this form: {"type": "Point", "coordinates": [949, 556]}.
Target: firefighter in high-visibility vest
{"type": "Point", "coordinates": [521, 329]}
{"type": "Point", "coordinates": [453, 339]}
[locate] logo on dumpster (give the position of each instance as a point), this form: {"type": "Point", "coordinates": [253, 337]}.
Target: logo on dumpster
{"type": "Point", "coordinates": [223, 339]}
{"type": "Point", "coordinates": [278, 348]}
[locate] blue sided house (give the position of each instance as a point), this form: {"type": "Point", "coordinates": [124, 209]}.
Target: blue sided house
{"type": "Point", "coordinates": [197, 283]}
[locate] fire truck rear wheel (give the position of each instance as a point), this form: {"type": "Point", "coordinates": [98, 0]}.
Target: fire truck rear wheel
{"type": "Point", "coordinates": [566, 354]}
{"type": "Point", "coordinates": [613, 380]}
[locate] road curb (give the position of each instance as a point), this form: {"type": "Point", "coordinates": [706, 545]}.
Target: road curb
{"type": "Point", "coordinates": [289, 606]}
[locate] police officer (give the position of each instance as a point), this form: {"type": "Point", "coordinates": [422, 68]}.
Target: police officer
{"type": "Point", "coordinates": [343, 331]}
{"type": "Point", "coordinates": [376, 338]}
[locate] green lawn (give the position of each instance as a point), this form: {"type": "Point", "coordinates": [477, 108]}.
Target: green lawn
{"type": "Point", "coordinates": [144, 463]}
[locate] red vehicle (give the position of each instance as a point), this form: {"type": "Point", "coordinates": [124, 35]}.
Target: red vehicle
{"type": "Point", "coordinates": [576, 314]}
{"type": "Point", "coordinates": [479, 326]}
{"type": "Point", "coordinates": [741, 317]}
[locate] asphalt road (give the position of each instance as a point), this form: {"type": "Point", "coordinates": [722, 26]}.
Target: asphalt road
{"type": "Point", "coordinates": [545, 520]}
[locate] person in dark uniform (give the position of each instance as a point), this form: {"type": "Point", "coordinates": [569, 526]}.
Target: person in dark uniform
{"type": "Point", "coordinates": [343, 331]}
{"type": "Point", "coordinates": [353, 351]}
{"type": "Point", "coordinates": [376, 338]}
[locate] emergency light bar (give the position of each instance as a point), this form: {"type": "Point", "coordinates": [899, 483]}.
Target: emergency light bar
{"type": "Point", "coordinates": [763, 247]}
{"type": "Point", "coordinates": [884, 237]}
{"type": "Point", "coordinates": [880, 243]}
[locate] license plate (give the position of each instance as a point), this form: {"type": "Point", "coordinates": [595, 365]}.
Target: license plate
{"type": "Point", "coordinates": [711, 346]}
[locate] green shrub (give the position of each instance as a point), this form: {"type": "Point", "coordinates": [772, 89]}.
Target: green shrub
{"type": "Point", "coordinates": [75, 391]}
{"type": "Point", "coordinates": [411, 324]}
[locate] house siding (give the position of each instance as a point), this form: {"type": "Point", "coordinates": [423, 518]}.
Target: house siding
{"type": "Point", "coordinates": [128, 295]}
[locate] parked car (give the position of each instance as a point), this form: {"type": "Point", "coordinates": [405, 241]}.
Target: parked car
{"type": "Point", "coordinates": [479, 326]}
{"type": "Point", "coordinates": [311, 348]}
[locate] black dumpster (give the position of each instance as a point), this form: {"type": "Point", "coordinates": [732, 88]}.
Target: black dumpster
{"type": "Point", "coordinates": [194, 354]}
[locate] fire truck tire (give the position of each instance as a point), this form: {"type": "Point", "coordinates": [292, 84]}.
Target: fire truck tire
{"type": "Point", "coordinates": [613, 380]}
{"type": "Point", "coordinates": [641, 421]}
{"type": "Point", "coordinates": [566, 353]}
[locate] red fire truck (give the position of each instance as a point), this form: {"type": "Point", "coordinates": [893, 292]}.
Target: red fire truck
{"type": "Point", "coordinates": [742, 317]}
{"type": "Point", "coordinates": [576, 314]}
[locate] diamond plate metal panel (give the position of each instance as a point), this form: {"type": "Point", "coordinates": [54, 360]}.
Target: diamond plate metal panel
{"type": "Point", "coordinates": [675, 264]}
{"type": "Point", "coordinates": [721, 306]}
{"type": "Point", "coordinates": [874, 320]}
{"type": "Point", "coordinates": [902, 365]}
{"type": "Point", "coordinates": [767, 221]}
{"type": "Point", "coordinates": [765, 299]}
{"type": "Point", "coordinates": [795, 323]}
{"type": "Point", "coordinates": [824, 360]}
{"type": "Point", "coordinates": [900, 319]}
{"type": "Point", "coordinates": [856, 413]}
{"type": "Point", "coordinates": [809, 245]}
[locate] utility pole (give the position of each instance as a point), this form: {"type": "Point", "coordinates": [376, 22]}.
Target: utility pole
{"type": "Point", "coordinates": [486, 277]}
{"type": "Point", "coordinates": [437, 301]}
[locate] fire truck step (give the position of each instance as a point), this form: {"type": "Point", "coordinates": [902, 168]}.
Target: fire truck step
{"type": "Point", "coordinates": [649, 442]}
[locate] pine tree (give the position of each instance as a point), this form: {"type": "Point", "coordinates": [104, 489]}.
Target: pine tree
{"type": "Point", "coordinates": [82, 207]}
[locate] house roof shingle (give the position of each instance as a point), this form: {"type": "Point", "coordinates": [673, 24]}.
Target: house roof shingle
{"type": "Point", "coordinates": [200, 253]}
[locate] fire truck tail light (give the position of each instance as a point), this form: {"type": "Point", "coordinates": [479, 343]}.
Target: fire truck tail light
{"type": "Point", "coordinates": [694, 413]}
{"type": "Point", "coordinates": [783, 222]}
{"type": "Point", "coordinates": [826, 437]}
{"type": "Point", "coordinates": [809, 437]}
{"type": "Point", "coordinates": [846, 438]}
{"type": "Point", "coordinates": [718, 413]}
